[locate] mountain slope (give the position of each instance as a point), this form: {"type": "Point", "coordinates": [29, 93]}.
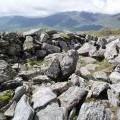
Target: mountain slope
{"type": "Point", "coordinates": [82, 21]}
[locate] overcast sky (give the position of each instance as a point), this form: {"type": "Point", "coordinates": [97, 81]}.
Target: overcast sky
{"type": "Point", "coordinates": [47, 7]}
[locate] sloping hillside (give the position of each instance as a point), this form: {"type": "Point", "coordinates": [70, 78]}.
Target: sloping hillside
{"type": "Point", "coordinates": [76, 21]}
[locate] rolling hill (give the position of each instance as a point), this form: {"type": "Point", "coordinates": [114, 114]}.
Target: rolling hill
{"type": "Point", "coordinates": [75, 21]}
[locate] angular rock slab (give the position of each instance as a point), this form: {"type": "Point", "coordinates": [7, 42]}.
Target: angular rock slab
{"type": "Point", "coordinates": [10, 111]}
{"type": "Point", "coordinates": [85, 49]}
{"type": "Point", "coordinates": [68, 63]}
{"type": "Point", "coordinates": [101, 75]}
{"type": "Point", "coordinates": [51, 66]}
{"type": "Point", "coordinates": [23, 110]}
{"type": "Point", "coordinates": [114, 77]}
{"type": "Point", "coordinates": [93, 111]}
{"type": "Point", "coordinates": [26, 75]}
{"type": "Point", "coordinates": [28, 43]}
{"type": "Point", "coordinates": [54, 69]}
{"type": "Point", "coordinates": [60, 87]}
{"type": "Point", "coordinates": [50, 48]}
{"type": "Point", "coordinates": [42, 97]}
{"type": "Point", "coordinates": [114, 94]}
{"type": "Point", "coordinates": [111, 49]}
{"type": "Point", "coordinates": [77, 80]}
{"type": "Point", "coordinates": [41, 79]}
{"type": "Point", "coordinates": [72, 97]}
{"type": "Point", "coordinates": [6, 71]}
{"type": "Point", "coordinates": [52, 112]}
{"type": "Point", "coordinates": [97, 89]}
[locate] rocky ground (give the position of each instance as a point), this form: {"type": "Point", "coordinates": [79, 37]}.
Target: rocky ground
{"type": "Point", "coordinates": [53, 75]}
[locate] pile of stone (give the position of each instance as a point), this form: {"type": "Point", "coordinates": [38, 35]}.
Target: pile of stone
{"type": "Point", "coordinates": [56, 75]}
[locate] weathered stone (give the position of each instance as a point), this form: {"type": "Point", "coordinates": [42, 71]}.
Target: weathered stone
{"type": "Point", "coordinates": [26, 75]}
{"type": "Point", "coordinates": [72, 97]}
{"type": "Point", "coordinates": [101, 42]}
{"type": "Point", "coordinates": [51, 65]}
{"type": "Point", "coordinates": [68, 63]}
{"type": "Point", "coordinates": [97, 89]}
{"type": "Point", "coordinates": [114, 95]}
{"type": "Point", "coordinates": [28, 43]}
{"type": "Point", "coordinates": [10, 85]}
{"type": "Point", "coordinates": [54, 69]}
{"type": "Point", "coordinates": [10, 111]}
{"type": "Point", "coordinates": [60, 87]}
{"type": "Point", "coordinates": [99, 54]}
{"type": "Point", "coordinates": [118, 114]}
{"type": "Point", "coordinates": [44, 37]}
{"type": "Point", "coordinates": [63, 46]}
{"type": "Point", "coordinates": [76, 80]}
{"type": "Point", "coordinates": [19, 92]}
{"type": "Point", "coordinates": [23, 110]}
{"type": "Point", "coordinates": [42, 97]}
{"type": "Point", "coordinates": [93, 111]}
{"type": "Point", "coordinates": [101, 75]}
{"type": "Point", "coordinates": [52, 112]}
{"type": "Point", "coordinates": [88, 60]}
{"type": "Point", "coordinates": [91, 67]}
{"type": "Point", "coordinates": [114, 77]}
{"type": "Point", "coordinates": [111, 50]}
{"type": "Point", "coordinates": [3, 78]}
{"type": "Point", "coordinates": [50, 48]}
{"type": "Point", "coordinates": [84, 72]}
{"type": "Point", "coordinates": [41, 79]}
{"type": "Point", "coordinates": [40, 53]}
{"type": "Point", "coordinates": [6, 71]}
{"type": "Point", "coordinates": [85, 49]}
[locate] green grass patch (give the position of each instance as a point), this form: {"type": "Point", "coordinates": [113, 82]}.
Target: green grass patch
{"type": "Point", "coordinates": [7, 95]}
{"type": "Point", "coordinates": [88, 100]}
{"type": "Point", "coordinates": [104, 64]}
{"type": "Point", "coordinates": [105, 32]}
{"type": "Point", "coordinates": [81, 62]}
{"type": "Point", "coordinates": [31, 62]}
{"type": "Point", "coordinates": [65, 36]}
{"type": "Point", "coordinates": [75, 117]}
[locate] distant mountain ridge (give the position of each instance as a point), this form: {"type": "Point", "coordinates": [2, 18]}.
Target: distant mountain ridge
{"type": "Point", "coordinates": [75, 21]}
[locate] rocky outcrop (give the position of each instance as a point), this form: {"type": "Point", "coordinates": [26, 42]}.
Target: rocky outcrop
{"type": "Point", "coordinates": [51, 75]}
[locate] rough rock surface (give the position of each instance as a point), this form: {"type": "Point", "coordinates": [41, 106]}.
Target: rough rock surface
{"type": "Point", "coordinates": [52, 112]}
{"type": "Point", "coordinates": [23, 110]}
{"type": "Point", "coordinates": [72, 97]}
{"type": "Point", "coordinates": [93, 111]}
{"type": "Point", "coordinates": [42, 97]}
{"type": "Point", "coordinates": [68, 63]}
{"type": "Point", "coordinates": [59, 75]}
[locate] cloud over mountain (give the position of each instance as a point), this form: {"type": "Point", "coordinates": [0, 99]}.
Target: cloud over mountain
{"type": "Point", "coordinates": [47, 7]}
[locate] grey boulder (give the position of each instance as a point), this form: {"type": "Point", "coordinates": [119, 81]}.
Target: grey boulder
{"type": "Point", "coordinates": [23, 110]}
{"type": "Point", "coordinates": [52, 112]}
{"type": "Point", "coordinates": [50, 48]}
{"type": "Point", "coordinates": [93, 111]}
{"type": "Point", "coordinates": [68, 63]}
{"type": "Point", "coordinates": [114, 94]}
{"type": "Point", "coordinates": [42, 97]}
{"type": "Point", "coordinates": [72, 97]}
{"type": "Point", "coordinates": [114, 77]}
{"type": "Point", "coordinates": [85, 49]}
{"type": "Point", "coordinates": [28, 43]}
{"type": "Point", "coordinates": [97, 89]}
